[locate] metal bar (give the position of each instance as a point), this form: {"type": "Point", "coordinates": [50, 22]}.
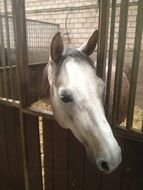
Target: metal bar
{"type": "Point", "coordinates": [42, 22]}
{"type": "Point", "coordinates": [47, 114]}
{"type": "Point", "coordinates": [32, 64]}
{"type": "Point", "coordinates": [120, 60]}
{"type": "Point", "coordinates": [103, 36]}
{"type": "Point", "coordinates": [18, 10]}
{"type": "Point", "coordinates": [135, 64]}
{"type": "Point", "coordinates": [1, 76]}
{"type": "Point", "coordinates": [21, 51]}
{"type": "Point", "coordinates": [111, 48]}
{"type": "Point", "coordinates": [1, 84]}
{"type": "Point", "coordinates": [36, 43]}
{"type": "Point", "coordinates": [29, 41]}
{"type": "Point", "coordinates": [7, 30]}
{"type": "Point", "coordinates": [142, 126]}
{"type": "Point", "coordinates": [3, 59]}
{"type": "Point", "coordinates": [7, 67]}
{"type": "Point", "coordinates": [17, 93]}
{"type": "Point", "coordinates": [9, 102]}
{"type": "Point", "coordinates": [38, 21]}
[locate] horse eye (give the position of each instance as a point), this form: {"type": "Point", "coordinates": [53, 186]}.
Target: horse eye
{"type": "Point", "coordinates": [66, 98]}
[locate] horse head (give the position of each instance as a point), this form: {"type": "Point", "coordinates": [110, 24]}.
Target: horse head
{"type": "Point", "coordinates": [76, 94]}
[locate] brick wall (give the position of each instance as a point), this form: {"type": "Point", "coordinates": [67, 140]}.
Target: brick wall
{"type": "Point", "coordinates": [82, 19]}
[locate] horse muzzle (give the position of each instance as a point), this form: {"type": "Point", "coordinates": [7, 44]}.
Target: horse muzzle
{"type": "Point", "coordinates": [107, 160]}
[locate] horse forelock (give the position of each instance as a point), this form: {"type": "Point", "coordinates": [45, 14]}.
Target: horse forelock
{"type": "Point", "coordinates": [77, 55]}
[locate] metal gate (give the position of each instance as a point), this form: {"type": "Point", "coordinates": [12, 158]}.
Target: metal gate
{"type": "Point", "coordinates": [37, 154]}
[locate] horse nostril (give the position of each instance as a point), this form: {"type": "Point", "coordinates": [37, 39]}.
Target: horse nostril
{"type": "Point", "coordinates": [103, 166]}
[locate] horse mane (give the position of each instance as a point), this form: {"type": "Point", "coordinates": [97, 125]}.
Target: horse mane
{"type": "Point", "coordinates": [45, 89]}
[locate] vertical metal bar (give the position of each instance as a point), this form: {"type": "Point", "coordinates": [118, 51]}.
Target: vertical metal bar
{"type": "Point", "coordinates": [103, 36]}
{"type": "Point", "coordinates": [30, 53]}
{"type": "Point", "coordinates": [40, 43]}
{"type": "Point", "coordinates": [17, 93]}
{"type": "Point", "coordinates": [1, 73]}
{"type": "Point", "coordinates": [111, 48]}
{"type": "Point", "coordinates": [21, 51]}
{"type": "Point", "coordinates": [18, 11]}
{"type": "Point", "coordinates": [28, 48]}
{"type": "Point", "coordinates": [3, 59]}
{"type": "Point", "coordinates": [142, 126]}
{"type": "Point", "coordinates": [35, 24]}
{"type": "Point", "coordinates": [7, 30]}
{"type": "Point", "coordinates": [135, 64]}
{"type": "Point", "coordinates": [33, 43]}
{"type": "Point", "coordinates": [1, 84]}
{"type": "Point", "coordinates": [120, 59]}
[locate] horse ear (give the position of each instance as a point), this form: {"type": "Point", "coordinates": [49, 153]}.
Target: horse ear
{"type": "Point", "coordinates": [56, 48]}
{"type": "Point", "coordinates": [90, 45]}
